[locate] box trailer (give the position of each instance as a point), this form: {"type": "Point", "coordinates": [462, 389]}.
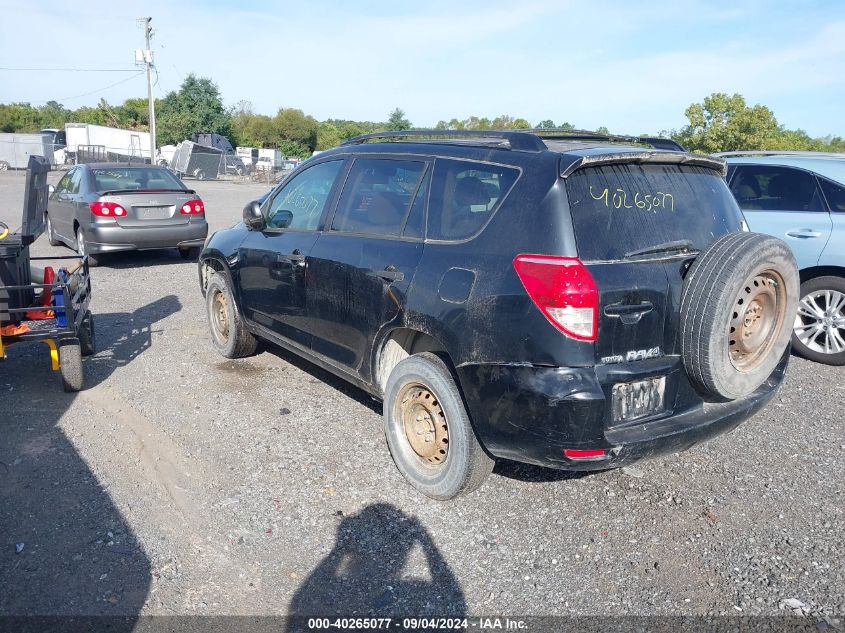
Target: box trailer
{"type": "Point", "coordinates": [15, 149]}
{"type": "Point", "coordinates": [87, 143]}
{"type": "Point", "coordinates": [199, 161]}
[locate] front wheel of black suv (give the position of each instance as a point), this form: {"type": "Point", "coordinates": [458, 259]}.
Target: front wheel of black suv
{"type": "Point", "coordinates": [428, 431]}
{"type": "Point", "coordinates": [228, 330]}
{"type": "Point", "coordinates": [819, 329]}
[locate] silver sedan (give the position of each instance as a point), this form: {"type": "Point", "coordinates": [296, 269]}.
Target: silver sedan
{"type": "Point", "coordinates": [105, 208]}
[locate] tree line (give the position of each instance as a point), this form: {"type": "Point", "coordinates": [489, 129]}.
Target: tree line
{"type": "Point", "coordinates": [719, 123]}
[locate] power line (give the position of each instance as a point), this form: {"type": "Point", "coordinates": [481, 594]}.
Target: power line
{"type": "Point", "coordinates": [72, 70]}
{"type": "Point", "coordinates": [86, 94]}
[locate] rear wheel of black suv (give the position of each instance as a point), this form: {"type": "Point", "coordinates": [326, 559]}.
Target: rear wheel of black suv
{"type": "Point", "coordinates": [428, 431]}
{"type": "Point", "coordinates": [738, 305]}
{"type": "Point", "coordinates": [228, 330]}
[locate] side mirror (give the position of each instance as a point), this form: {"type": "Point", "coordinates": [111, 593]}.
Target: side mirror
{"type": "Point", "coordinates": [51, 189]}
{"type": "Point", "coordinates": [253, 217]}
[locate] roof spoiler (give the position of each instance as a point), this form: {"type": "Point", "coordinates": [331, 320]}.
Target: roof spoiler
{"type": "Point", "coordinates": [658, 157]}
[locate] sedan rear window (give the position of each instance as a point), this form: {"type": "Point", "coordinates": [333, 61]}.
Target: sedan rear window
{"type": "Point", "coordinates": [136, 179]}
{"type": "Point", "coordinates": [619, 209]}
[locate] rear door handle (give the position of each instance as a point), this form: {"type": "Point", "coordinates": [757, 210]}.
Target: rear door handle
{"type": "Point", "coordinates": [805, 233]}
{"type": "Point", "coordinates": [629, 313]}
{"type": "Point", "coordinates": [389, 274]}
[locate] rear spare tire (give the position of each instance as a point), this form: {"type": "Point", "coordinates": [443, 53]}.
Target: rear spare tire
{"type": "Point", "coordinates": [737, 310]}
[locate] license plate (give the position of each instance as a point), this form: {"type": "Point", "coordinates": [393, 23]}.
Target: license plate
{"type": "Point", "coordinates": [634, 400]}
{"type": "Point", "coordinates": [153, 213]}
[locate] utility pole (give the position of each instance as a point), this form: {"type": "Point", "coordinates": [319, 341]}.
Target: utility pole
{"type": "Point", "coordinates": [147, 57]}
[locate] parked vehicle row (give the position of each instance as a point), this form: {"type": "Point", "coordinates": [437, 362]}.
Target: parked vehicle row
{"type": "Point", "coordinates": [571, 300]}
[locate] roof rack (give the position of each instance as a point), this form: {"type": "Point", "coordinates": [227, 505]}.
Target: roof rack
{"type": "Point", "coordinates": [530, 140]}
{"type": "Point", "coordinates": [782, 153]}
{"type": "Point", "coordinates": [517, 140]}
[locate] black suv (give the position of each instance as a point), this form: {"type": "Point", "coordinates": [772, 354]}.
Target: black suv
{"type": "Point", "coordinates": [574, 300]}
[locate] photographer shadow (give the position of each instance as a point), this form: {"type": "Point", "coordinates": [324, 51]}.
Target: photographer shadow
{"type": "Point", "coordinates": [66, 548]}
{"type": "Point", "coordinates": [384, 563]}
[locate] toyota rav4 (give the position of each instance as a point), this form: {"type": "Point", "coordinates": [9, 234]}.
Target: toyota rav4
{"type": "Point", "coordinates": [573, 300]}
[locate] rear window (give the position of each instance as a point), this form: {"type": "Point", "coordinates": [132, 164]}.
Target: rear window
{"type": "Point", "coordinates": [464, 196]}
{"type": "Point", "coordinates": [617, 209]}
{"type": "Point", "coordinates": [136, 179]}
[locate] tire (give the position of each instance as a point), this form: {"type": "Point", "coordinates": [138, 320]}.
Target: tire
{"type": "Point", "coordinates": [87, 340]}
{"type": "Point", "coordinates": [51, 235]}
{"type": "Point", "coordinates": [4, 165]}
{"type": "Point", "coordinates": [228, 330]}
{"type": "Point", "coordinates": [199, 174]}
{"type": "Point", "coordinates": [822, 303]}
{"type": "Point", "coordinates": [447, 468]}
{"type": "Point", "coordinates": [70, 365]}
{"type": "Point", "coordinates": [737, 307]}
{"type": "Point", "coordinates": [190, 254]}
{"type": "Point", "coordinates": [82, 248]}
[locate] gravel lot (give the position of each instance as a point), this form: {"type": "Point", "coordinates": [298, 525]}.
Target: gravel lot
{"type": "Point", "coordinates": [179, 482]}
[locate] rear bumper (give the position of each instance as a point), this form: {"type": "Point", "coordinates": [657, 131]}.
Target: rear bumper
{"type": "Point", "coordinates": [112, 238]}
{"type": "Point", "coordinates": [530, 414]}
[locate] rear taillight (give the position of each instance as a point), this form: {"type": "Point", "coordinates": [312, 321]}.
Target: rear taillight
{"type": "Point", "coordinates": [564, 290]}
{"type": "Point", "coordinates": [107, 209]}
{"type": "Point", "coordinates": [194, 207]}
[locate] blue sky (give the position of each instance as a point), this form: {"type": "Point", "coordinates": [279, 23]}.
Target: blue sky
{"type": "Point", "coordinates": [631, 66]}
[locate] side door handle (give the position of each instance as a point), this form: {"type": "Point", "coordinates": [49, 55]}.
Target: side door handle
{"type": "Point", "coordinates": [804, 233]}
{"type": "Point", "coordinates": [389, 274]}
{"type": "Point", "coordinates": [296, 257]}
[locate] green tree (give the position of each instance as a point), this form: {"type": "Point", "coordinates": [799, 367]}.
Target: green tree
{"type": "Point", "coordinates": [328, 136]}
{"type": "Point", "coordinates": [19, 117]}
{"type": "Point", "coordinates": [293, 125]}
{"type": "Point", "coordinates": [195, 107]}
{"type": "Point", "coordinates": [546, 124]}
{"type": "Point", "coordinates": [53, 115]}
{"type": "Point", "coordinates": [725, 122]}
{"type": "Point", "coordinates": [397, 121]}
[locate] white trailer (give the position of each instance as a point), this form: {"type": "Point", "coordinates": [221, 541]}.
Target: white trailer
{"type": "Point", "coordinates": [15, 149]}
{"type": "Point", "coordinates": [89, 143]}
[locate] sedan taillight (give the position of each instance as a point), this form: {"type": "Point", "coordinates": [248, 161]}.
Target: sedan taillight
{"type": "Point", "coordinates": [107, 209]}
{"type": "Point", "coordinates": [194, 207]}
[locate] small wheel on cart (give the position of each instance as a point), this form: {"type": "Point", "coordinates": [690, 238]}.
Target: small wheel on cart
{"type": "Point", "coordinates": [87, 341]}
{"type": "Point", "coordinates": [70, 362]}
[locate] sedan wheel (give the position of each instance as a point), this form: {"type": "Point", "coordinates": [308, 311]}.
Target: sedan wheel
{"type": "Point", "coordinates": [819, 329]}
{"type": "Point", "coordinates": [51, 236]}
{"type": "Point", "coordinates": [82, 248]}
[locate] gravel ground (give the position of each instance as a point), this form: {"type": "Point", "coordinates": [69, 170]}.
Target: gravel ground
{"type": "Point", "coordinates": [179, 482]}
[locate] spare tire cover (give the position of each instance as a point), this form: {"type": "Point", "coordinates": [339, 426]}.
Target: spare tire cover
{"type": "Point", "coordinates": [739, 301]}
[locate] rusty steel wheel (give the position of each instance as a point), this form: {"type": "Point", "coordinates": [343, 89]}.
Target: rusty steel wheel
{"type": "Point", "coordinates": [739, 298]}
{"type": "Point", "coordinates": [228, 330]}
{"type": "Point", "coordinates": [220, 315]}
{"type": "Point", "coordinates": [424, 422]}
{"type": "Point", "coordinates": [428, 430]}
{"type": "Point", "coordinates": [758, 316]}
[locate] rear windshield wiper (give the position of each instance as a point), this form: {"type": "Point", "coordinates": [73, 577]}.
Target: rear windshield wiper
{"type": "Point", "coordinates": [666, 247]}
